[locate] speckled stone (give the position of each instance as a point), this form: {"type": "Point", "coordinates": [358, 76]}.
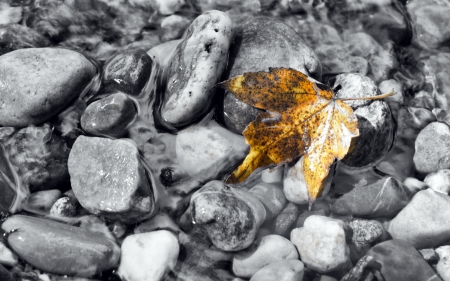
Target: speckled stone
{"type": "Point", "coordinates": [37, 83]}
{"type": "Point", "coordinates": [109, 180]}
{"type": "Point", "coordinates": [63, 207]}
{"type": "Point", "coordinates": [195, 68]}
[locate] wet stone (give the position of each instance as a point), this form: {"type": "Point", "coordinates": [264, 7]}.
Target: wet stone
{"type": "Point", "coordinates": [423, 222]}
{"type": "Point", "coordinates": [41, 156]}
{"type": "Point", "coordinates": [230, 216]}
{"type": "Point", "coordinates": [109, 116]}
{"type": "Point", "coordinates": [247, 262]}
{"type": "Point", "coordinates": [60, 248]}
{"type": "Point", "coordinates": [128, 71]}
{"type": "Point", "coordinates": [385, 197]}
{"type": "Point", "coordinates": [257, 45]}
{"type": "Point", "coordinates": [109, 180]}
{"type": "Point", "coordinates": [375, 123]}
{"type": "Point", "coordinates": [431, 145]}
{"type": "Point", "coordinates": [37, 83]}
{"type": "Point", "coordinates": [195, 68]}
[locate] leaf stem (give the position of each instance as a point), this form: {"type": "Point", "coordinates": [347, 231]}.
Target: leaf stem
{"type": "Point", "coordinates": [370, 98]}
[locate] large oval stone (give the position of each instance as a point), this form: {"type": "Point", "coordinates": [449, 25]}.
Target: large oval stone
{"type": "Point", "coordinates": [257, 45]}
{"type": "Point", "coordinates": [35, 84]}
{"type": "Point", "coordinates": [195, 68]}
{"type": "Point", "coordinates": [60, 248]}
{"type": "Point", "coordinates": [109, 179]}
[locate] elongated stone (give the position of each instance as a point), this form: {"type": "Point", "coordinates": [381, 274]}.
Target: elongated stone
{"type": "Point", "coordinates": [60, 248]}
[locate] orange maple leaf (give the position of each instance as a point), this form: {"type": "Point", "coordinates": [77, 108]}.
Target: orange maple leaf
{"type": "Point", "coordinates": [302, 117]}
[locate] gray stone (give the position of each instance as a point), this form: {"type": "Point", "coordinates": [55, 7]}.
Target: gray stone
{"type": "Point", "coordinates": [286, 219]}
{"type": "Point", "coordinates": [375, 123]}
{"type": "Point", "coordinates": [109, 116]}
{"type": "Point", "coordinates": [173, 27]}
{"type": "Point", "coordinates": [271, 196]}
{"type": "Point", "coordinates": [7, 257]}
{"type": "Point", "coordinates": [321, 243]}
{"type": "Point", "coordinates": [385, 197]}
{"type": "Point", "coordinates": [429, 255]}
{"type": "Point", "coordinates": [148, 256]}
{"type": "Point", "coordinates": [365, 235]}
{"type": "Point", "coordinates": [41, 201]}
{"type": "Point", "coordinates": [291, 270]}
{"type": "Point", "coordinates": [60, 248]}
{"type": "Point", "coordinates": [195, 68]}
{"type": "Point", "coordinates": [431, 22]}
{"type": "Point", "coordinates": [109, 180]}
{"type": "Point", "coordinates": [432, 153]}
{"type": "Point", "coordinates": [128, 71]}
{"type": "Point", "coordinates": [209, 151]}
{"type": "Point", "coordinates": [166, 7]}
{"type": "Point", "coordinates": [40, 155]}
{"type": "Point", "coordinates": [424, 221]}
{"type": "Point", "coordinates": [35, 84]}
{"type": "Point", "coordinates": [230, 216]}
{"type": "Point", "coordinates": [247, 262]}
{"type": "Point", "coordinates": [257, 45]}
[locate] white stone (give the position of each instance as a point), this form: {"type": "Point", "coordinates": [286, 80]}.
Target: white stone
{"type": "Point", "coordinates": [439, 181]}
{"type": "Point", "coordinates": [273, 175]}
{"type": "Point", "coordinates": [167, 7]}
{"type": "Point", "coordinates": [148, 256]}
{"type": "Point", "coordinates": [290, 270]}
{"type": "Point", "coordinates": [321, 243]}
{"type": "Point", "coordinates": [443, 266]}
{"type": "Point", "coordinates": [7, 257]}
{"type": "Point", "coordinates": [264, 251]}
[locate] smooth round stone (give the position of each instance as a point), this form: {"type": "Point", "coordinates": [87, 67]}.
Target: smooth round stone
{"type": "Point", "coordinates": [41, 156]}
{"type": "Point", "coordinates": [286, 219]}
{"type": "Point", "coordinates": [257, 45]}
{"type": "Point", "coordinates": [60, 248]}
{"type": "Point", "coordinates": [195, 68]}
{"type": "Point", "coordinates": [423, 222]}
{"type": "Point", "coordinates": [148, 256]}
{"type": "Point", "coordinates": [109, 116]}
{"type": "Point", "coordinates": [439, 181]}
{"type": "Point", "coordinates": [247, 262]}
{"type": "Point", "coordinates": [291, 270]}
{"type": "Point", "coordinates": [109, 179]}
{"type": "Point", "coordinates": [271, 196]}
{"type": "Point", "coordinates": [321, 243]}
{"type": "Point", "coordinates": [375, 123]}
{"type": "Point", "coordinates": [230, 216]}
{"type": "Point", "coordinates": [7, 257]}
{"type": "Point", "coordinates": [431, 145]}
{"type": "Point", "coordinates": [443, 265]}
{"type": "Point", "coordinates": [167, 7]}
{"type": "Point", "coordinates": [128, 71]}
{"type": "Point", "coordinates": [173, 27]}
{"type": "Point", "coordinates": [36, 84]}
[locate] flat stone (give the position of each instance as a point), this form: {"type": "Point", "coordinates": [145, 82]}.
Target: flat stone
{"type": "Point", "coordinates": [209, 151]}
{"type": "Point", "coordinates": [195, 68]}
{"type": "Point", "coordinates": [257, 45]}
{"type": "Point", "coordinates": [321, 243]}
{"type": "Point", "coordinates": [230, 216]}
{"type": "Point", "coordinates": [385, 197]}
{"type": "Point", "coordinates": [423, 222]}
{"type": "Point", "coordinates": [59, 248]}
{"type": "Point", "coordinates": [128, 71]}
{"type": "Point", "coordinates": [148, 256]}
{"type": "Point", "coordinates": [247, 262]}
{"type": "Point", "coordinates": [290, 270]}
{"type": "Point", "coordinates": [431, 146]}
{"type": "Point", "coordinates": [35, 84]}
{"type": "Point", "coordinates": [109, 116]}
{"type": "Point", "coordinates": [109, 180]}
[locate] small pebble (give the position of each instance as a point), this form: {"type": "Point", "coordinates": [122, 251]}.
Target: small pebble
{"type": "Point", "coordinates": [7, 257]}
{"type": "Point", "coordinates": [439, 181]}
{"type": "Point", "coordinates": [63, 207]}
